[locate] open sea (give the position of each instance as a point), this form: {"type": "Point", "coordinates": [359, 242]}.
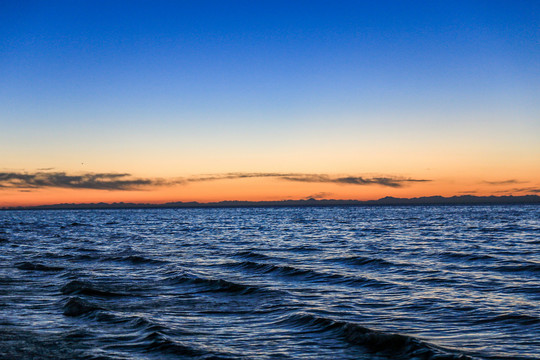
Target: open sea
{"type": "Point", "coordinates": [412, 282]}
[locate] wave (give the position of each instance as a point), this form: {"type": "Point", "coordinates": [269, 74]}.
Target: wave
{"type": "Point", "coordinates": [82, 257]}
{"type": "Point", "coordinates": [363, 260]}
{"type": "Point", "coordinates": [7, 280]}
{"type": "Point", "coordinates": [157, 342]}
{"type": "Point", "coordinates": [133, 259]}
{"type": "Point", "coordinates": [303, 248]}
{"type": "Point", "coordinates": [306, 274]}
{"type": "Point", "coordinates": [137, 323]}
{"type": "Point", "coordinates": [76, 306]}
{"type": "Point", "coordinates": [94, 255]}
{"type": "Point", "coordinates": [378, 230]}
{"type": "Point", "coordinates": [74, 224]}
{"type": "Point", "coordinates": [148, 335]}
{"type": "Point", "coordinates": [466, 256]}
{"type": "Point", "coordinates": [190, 229]}
{"type": "Point", "coordinates": [22, 343]}
{"type": "Point", "coordinates": [272, 268]}
{"type": "Point", "coordinates": [74, 253]}
{"type": "Point", "coordinates": [37, 267]}
{"type": "Point", "coordinates": [511, 318]}
{"type": "Point", "coordinates": [524, 289]}
{"type": "Point", "coordinates": [142, 323]}
{"type": "Point", "coordinates": [527, 267]}
{"type": "Point", "coordinates": [76, 287]}
{"type": "Point", "coordinates": [253, 255]}
{"type": "Point", "coordinates": [389, 344]}
{"type": "Point", "coordinates": [218, 285]}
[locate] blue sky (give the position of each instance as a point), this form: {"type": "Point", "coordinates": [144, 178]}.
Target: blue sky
{"type": "Point", "coordinates": [92, 80]}
{"type": "Point", "coordinates": [252, 56]}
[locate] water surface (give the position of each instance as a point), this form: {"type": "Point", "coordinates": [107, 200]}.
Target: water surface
{"type": "Point", "coordinates": [435, 282]}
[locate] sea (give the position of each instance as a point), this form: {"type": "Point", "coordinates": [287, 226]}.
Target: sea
{"type": "Point", "coordinates": [387, 282]}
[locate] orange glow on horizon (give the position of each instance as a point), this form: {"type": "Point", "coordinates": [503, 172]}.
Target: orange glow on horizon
{"type": "Point", "coordinates": [255, 189]}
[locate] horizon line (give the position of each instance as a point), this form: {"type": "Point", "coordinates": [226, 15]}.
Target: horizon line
{"type": "Point", "coordinates": [465, 199]}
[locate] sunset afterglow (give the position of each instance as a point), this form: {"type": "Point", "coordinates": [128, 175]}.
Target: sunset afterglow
{"type": "Point", "coordinates": [267, 100]}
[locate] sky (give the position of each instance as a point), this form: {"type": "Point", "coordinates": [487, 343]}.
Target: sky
{"type": "Point", "coordinates": [157, 101]}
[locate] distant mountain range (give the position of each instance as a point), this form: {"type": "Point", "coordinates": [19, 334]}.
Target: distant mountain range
{"type": "Point", "coordinates": [386, 201]}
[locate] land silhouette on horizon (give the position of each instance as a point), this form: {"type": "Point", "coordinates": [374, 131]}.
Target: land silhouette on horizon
{"type": "Point", "coordinates": [386, 201]}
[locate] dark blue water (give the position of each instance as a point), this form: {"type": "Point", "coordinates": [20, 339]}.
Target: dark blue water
{"type": "Point", "coordinates": [271, 283]}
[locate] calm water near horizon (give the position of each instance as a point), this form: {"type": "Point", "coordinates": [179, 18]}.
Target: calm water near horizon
{"type": "Point", "coordinates": [416, 282]}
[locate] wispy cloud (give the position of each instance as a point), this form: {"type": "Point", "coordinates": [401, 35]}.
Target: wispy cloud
{"type": "Point", "coordinates": [125, 181]}
{"type": "Point", "coordinates": [233, 176]}
{"type": "Point", "coordinates": [391, 181]}
{"type": "Point", "coordinates": [527, 189]}
{"type": "Point", "coordinates": [503, 182]}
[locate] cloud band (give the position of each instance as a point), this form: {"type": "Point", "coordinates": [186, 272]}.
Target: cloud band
{"type": "Point", "coordinates": [125, 181]}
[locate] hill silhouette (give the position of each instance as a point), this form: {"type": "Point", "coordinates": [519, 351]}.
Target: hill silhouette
{"type": "Point", "coordinates": [386, 201]}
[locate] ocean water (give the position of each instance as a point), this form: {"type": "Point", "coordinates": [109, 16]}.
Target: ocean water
{"type": "Point", "coordinates": [434, 282]}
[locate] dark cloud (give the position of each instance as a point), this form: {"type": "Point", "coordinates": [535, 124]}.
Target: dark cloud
{"type": "Point", "coordinates": [233, 176]}
{"type": "Point", "coordinates": [503, 182]}
{"type": "Point", "coordinates": [390, 181]}
{"type": "Point", "coordinates": [354, 180]}
{"type": "Point", "coordinates": [527, 189]}
{"type": "Point", "coordinates": [100, 181]}
{"type": "Point", "coordinates": [125, 181]}
{"type": "Point", "coordinates": [318, 196]}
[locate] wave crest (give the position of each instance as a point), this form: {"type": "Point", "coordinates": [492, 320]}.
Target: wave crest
{"type": "Point", "coordinates": [390, 344]}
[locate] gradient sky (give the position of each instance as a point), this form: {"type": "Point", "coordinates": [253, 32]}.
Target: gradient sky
{"type": "Point", "coordinates": [155, 101]}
